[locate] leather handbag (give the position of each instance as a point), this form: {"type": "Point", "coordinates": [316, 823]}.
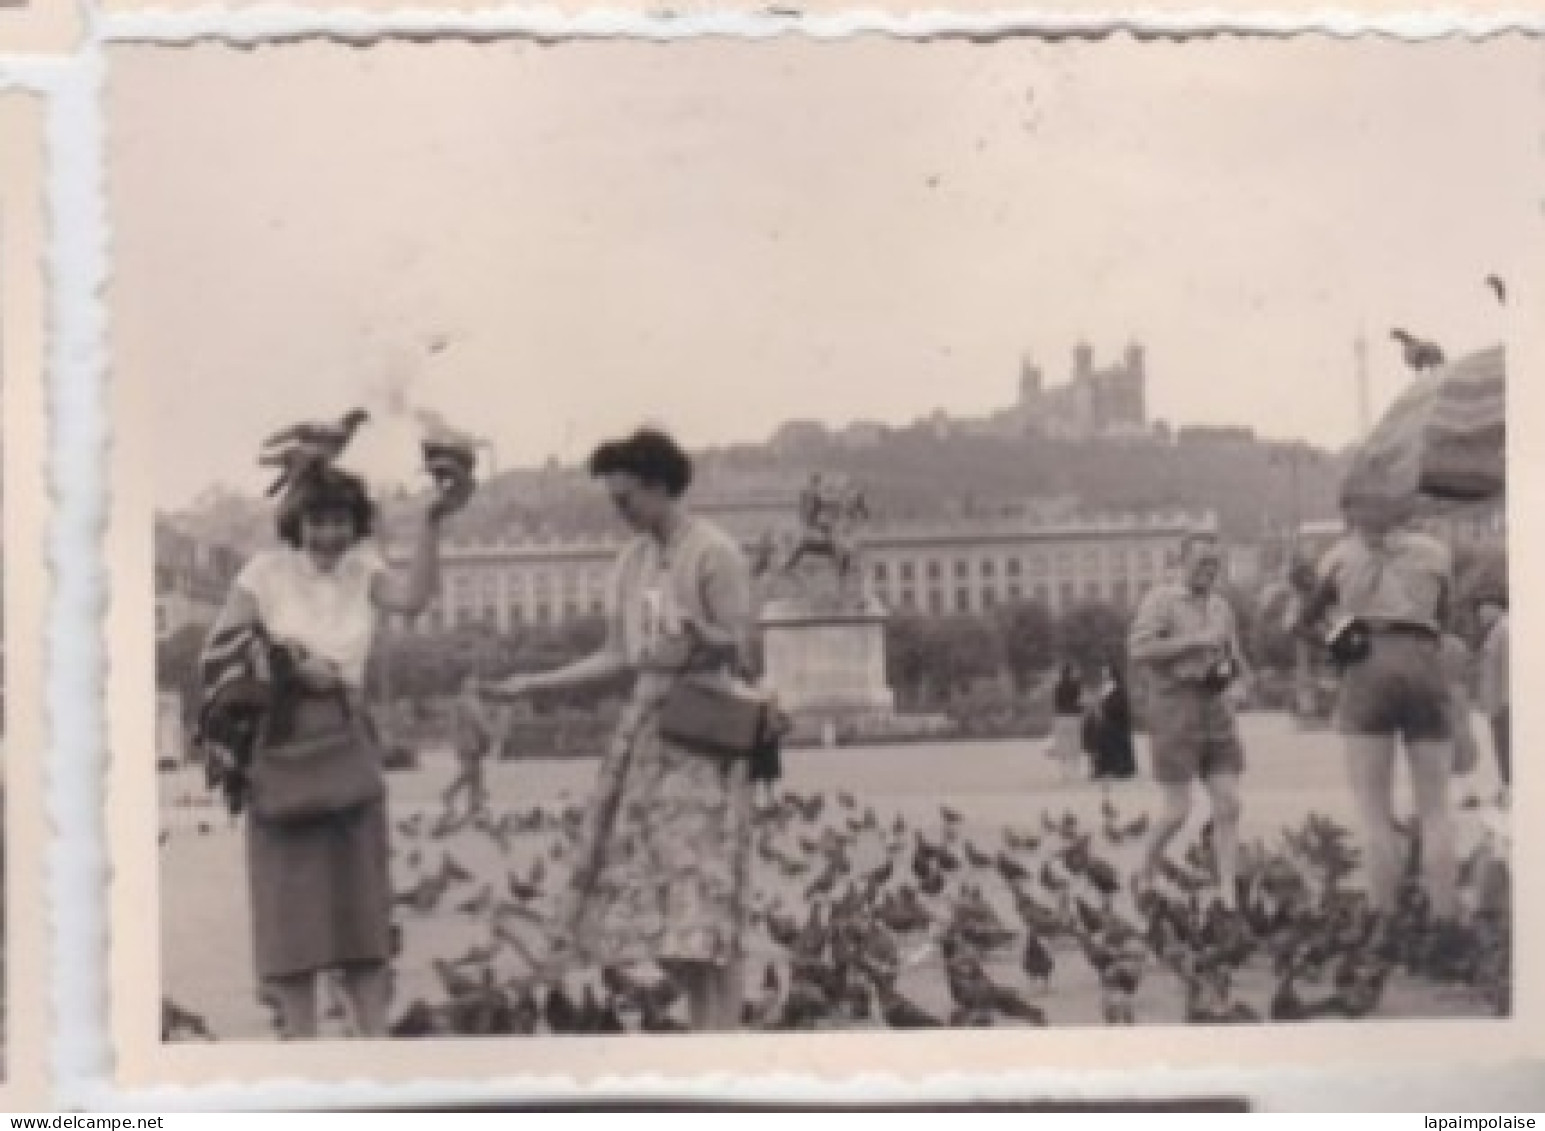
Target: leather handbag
{"type": "Point", "coordinates": [328, 763]}
{"type": "Point", "coordinates": [716, 721]}
{"type": "Point", "coordinates": [712, 719]}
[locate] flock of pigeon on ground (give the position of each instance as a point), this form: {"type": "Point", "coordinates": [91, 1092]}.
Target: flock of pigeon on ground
{"type": "Point", "coordinates": [859, 921]}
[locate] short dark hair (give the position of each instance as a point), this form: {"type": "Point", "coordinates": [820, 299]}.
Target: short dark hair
{"type": "Point", "coordinates": [327, 489]}
{"type": "Point", "coordinates": [651, 456]}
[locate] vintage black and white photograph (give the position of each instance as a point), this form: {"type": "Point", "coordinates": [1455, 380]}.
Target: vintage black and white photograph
{"type": "Point", "coordinates": [631, 540]}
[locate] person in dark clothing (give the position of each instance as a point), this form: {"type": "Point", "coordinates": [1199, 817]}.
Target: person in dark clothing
{"type": "Point", "coordinates": [1112, 733]}
{"type": "Point", "coordinates": [767, 759]}
{"type": "Point", "coordinates": [1067, 698]}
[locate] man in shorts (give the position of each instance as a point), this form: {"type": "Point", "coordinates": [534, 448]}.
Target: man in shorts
{"type": "Point", "coordinates": [1394, 583]}
{"type": "Point", "coordinates": [1185, 637]}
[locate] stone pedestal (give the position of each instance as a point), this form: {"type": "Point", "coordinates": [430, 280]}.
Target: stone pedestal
{"type": "Point", "coordinates": [827, 660]}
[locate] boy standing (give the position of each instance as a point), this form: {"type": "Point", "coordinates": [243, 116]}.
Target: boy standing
{"type": "Point", "coordinates": [1184, 635]}
{"type": "Point", "coordinates": [473, 734]}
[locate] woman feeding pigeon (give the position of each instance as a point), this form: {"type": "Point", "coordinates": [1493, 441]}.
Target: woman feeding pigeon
{"type": "Point", "coordinates": [662, 872]}
{"type": "Point", "coordinates": [317, 831]}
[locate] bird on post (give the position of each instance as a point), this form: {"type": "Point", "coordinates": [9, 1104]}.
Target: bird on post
{"type": "Point", "coordinates": [300, 447]}
{"type": "Point", "coordinates": [1419, 355]}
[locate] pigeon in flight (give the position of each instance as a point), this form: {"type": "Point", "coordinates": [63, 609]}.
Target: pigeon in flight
{"type": "Point", "coordinates": [1418, 354]}
{"type": "Point", "coordinates": [1498, 288]}
{"type": "Point", "coordinates": [301, 446]}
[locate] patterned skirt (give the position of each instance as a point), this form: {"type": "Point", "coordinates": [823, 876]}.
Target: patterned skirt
{"type": "Point", "coordinates": [663, 864]}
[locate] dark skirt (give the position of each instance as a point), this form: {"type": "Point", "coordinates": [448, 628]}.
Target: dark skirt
{"type": "Point", "coordinates": [767, 760]}
{"type": "Point", "coordinates": [1113, 753]}
{"type": "Point", "coordinates": [321, 892]}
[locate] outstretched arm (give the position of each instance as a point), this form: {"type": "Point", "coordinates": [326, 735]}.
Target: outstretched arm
{"type": "Point", "coordinates": [595, 668]}
{"type": "Point", "coordinates": [608, 661]}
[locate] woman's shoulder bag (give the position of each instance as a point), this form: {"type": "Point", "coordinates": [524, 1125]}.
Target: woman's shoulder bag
{"type": "Point", "coordinates": [326, 762]}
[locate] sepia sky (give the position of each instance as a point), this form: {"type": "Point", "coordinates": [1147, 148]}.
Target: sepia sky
{"type": "Point", "coordinates": [550, 244]}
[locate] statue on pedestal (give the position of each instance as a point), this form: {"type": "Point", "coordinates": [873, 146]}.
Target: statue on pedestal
{"type": "Point", "coordinates": [823, 636]}
{"type": "Point", "coordinates": [822, 561]}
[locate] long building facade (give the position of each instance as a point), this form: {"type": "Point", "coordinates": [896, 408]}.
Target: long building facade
{"type": "Point", "coordinates": [962, 567]}
{"type": "Point", "coordinates": [965, 566]}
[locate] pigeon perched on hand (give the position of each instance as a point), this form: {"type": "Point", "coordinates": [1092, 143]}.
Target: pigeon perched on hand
{"type": "Point", "coordinates": [450, 454]}
{"type": "Point", "coordinates": [300, 447]}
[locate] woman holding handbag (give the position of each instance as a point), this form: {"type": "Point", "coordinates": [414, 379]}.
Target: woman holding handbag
{"type": "Point", "coordinates": [313, 783]}
{"type": "Point", "coordinates": [662, 872]}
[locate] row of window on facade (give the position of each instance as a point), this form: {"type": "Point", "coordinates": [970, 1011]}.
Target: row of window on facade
{"type": "Point", "coordinates": [935, 600]}
{"type": "Point", "coordinates": [487, 582]}
{"type": "Point", "coordinates": [939, 583]}
{"type": "Point", "coordinates": [1118, 561]}
{"type": "Point", "coordinates": [1058, 597]}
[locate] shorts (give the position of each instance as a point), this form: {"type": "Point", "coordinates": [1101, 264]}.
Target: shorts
{"type": "Point", "coordinates": [1400, 689]}
{"type": "Point", "coordinates": [1193, 735]}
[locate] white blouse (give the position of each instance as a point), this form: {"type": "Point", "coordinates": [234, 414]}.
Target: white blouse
{"type": "Point", "coordinates": [329, 613]}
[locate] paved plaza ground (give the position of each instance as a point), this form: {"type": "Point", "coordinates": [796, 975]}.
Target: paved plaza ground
{"type": "Point", "coordinates": [994, 785]}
